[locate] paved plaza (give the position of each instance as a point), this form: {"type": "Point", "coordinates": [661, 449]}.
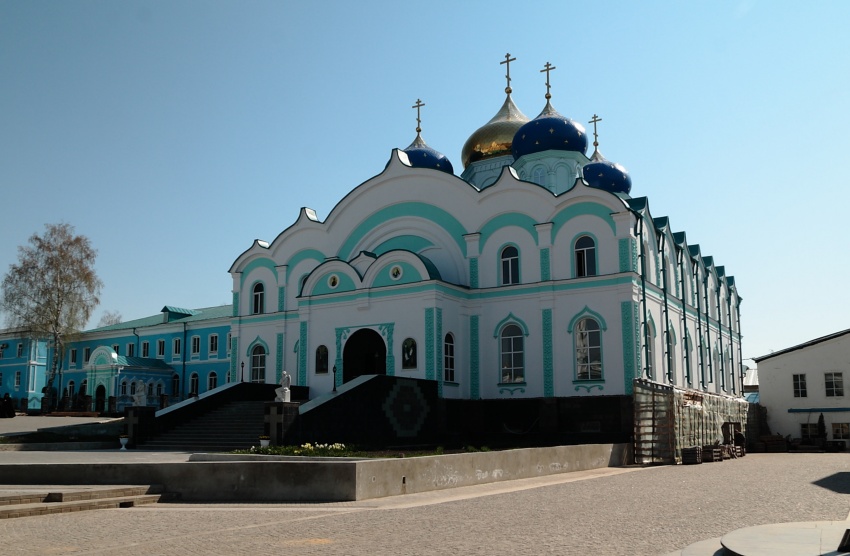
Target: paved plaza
{"type": "Point", "coordinates": [641, 511]}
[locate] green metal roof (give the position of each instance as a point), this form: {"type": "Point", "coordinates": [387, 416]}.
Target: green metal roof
{"type": "Point", "coordinates": [196, 315]}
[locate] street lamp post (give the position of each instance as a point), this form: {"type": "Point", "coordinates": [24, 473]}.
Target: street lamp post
{"type": "Point", "coordinates": [242, 374]}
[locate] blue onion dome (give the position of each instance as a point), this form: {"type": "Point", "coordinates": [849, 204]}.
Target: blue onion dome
{"type": "Point", "coordinates": [549, 131]}
{"type": "Point", "coordinates": [496, 136]}
{"type": "Point", "coordinates": [610, 176]}
{"type": "Point", "coordinates": [423, 156]}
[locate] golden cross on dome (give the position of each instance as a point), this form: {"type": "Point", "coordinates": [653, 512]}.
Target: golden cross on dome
{"type": "Point", "coordinates": [547, 68]}
{"type": "Point", "coordinates": [507, 63]}
{"type": "Point", "coordinates": [595, 135]}
{"type": "Point", "coordinates": [419, 104]}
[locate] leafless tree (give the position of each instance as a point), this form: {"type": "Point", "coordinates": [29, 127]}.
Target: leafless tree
{"type": "Point", "coordinates": [53, 288]}
{"type": "Point", "coordinates": [109, 318]}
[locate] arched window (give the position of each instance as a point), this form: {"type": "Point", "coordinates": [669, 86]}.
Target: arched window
{"type": "Point", "coordinates": [193, 384]}
{"type": "Point", "coordinates": [671, 356]}
{"type": "Point", "coordinates": [322, 360]}
{"type": "Point", "coordinates": [259, 299]}
{"type": "Point", "coordinates": [175, 385]}
{"type": "Point", "coordinates": [150, 389]}
{"type": "Point", "coordinates": [512, 354]}
{"type": "Point", "coordinates": [585, 257]}
{"type": "Point", "coordinates": [158, 389]}
{"type": "Point", "coordinates": [258, 364]}
{"type": "Point", "coordinates": [212, 380]}
{"type": "Point", "coordinates": [510, 265]}
{"type": "Point", "coordinates": [71, 389]}
{"type": "Point", "coordinates": [449, 358]}
{"type": "Point", "coordinates": [408, 354]}
{"type": "Point", "coordinates": [588, 341]}
{"type": "Point", "coordinates": [650, 355]}
{"type": "Point", "coordinates": [538, 176]}
{"type": "Point", "coordinates": [123, 387]}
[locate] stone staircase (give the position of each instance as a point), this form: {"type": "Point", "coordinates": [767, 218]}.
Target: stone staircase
{"type": "Point", "coordinates": [77, 499]}
{"type": "Point", "coordinates": [236, 425]}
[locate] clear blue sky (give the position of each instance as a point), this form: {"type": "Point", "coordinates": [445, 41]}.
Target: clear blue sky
{"type": "Point", "coordinates": [173, 133]}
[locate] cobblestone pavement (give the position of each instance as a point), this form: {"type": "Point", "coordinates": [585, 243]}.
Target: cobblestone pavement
{"type": "Point", "coordinates": [649, 511]}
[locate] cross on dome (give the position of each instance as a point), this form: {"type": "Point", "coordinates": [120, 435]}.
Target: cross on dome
{"type": "Point", "coordinates": [507, 63]}
{"type": "Point", "coordinates": [419, 104]}
{"type": "Point", "coordinates": [547, 68]}
{"type": "Point", "coordinates": [593, 121]}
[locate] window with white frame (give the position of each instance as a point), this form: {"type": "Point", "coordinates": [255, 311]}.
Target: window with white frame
{"type": "Point", "coordinates": [213, 351]}
{"type": "Point", "coordinates": [86, 355]}
{"type": "Point", "coordinates": [322, 360]}
{"type": "Point", "coordinates": [158, 389]}
{"type": "Point", "coordinates": [196, 346]}
{"type": "Point", "coordinates": [212, 380]}
{"type": "Point", "coordinates": [259, 299]}
{"type": "Point", "coordinates": [160, 348]}
{"type": "Point", "coordinates": [808, 431]}
{"type": "Point", "coordinates": [538, 175]}
{"type": "Point", "coordinates": [177, 346]}
{"type": "Point", "coordinates": [20, 350]}
{"type": "Point", "coordinates": [258, 364]}
{"type": "Point", "coordinates": [74, 356]}
{"type": "Point", "coordinates": [150, 389]}
{"type": "Point", "coordinates": [193, 383]}
{"type": "Point", "coordinates": [834, 384]}
{"type": "Point", "coordinates": [510, 265]}
{"type": "Point", "coordinates": [449, 358]}
{"type": "Point", "coordinates": [229, 337]}
{"type": "Point", "coordinates": [585, 257]}
{"type": "Point", "coordinates": [131, 350]}
{"type": "Point", "coordinates": [124, 387]}
{"type": "Point", "coordinates": [799, 382]}
{"type": "Point", "coordinates": [117, 349]}
{"type": "Point", "coordinates": [588, 349]}
{"type": "Point", "coordinates": [841, 431]}
{"type": "Point", "coordinates": [146, 349]}
{"type": "Point", "coordinates": [650, 349]}
{"type": "Point", "coordinates": [70, 388]}
{"type": "Point", "coordinates": [175, 384]}
{"type": "Point", "coordinates": [17, 379]}
{"type": "Point", "coordinates": [512, 351]}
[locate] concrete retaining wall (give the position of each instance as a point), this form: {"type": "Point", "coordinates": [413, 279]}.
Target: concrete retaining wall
{"type": "Point", "coordinates": [264, 478]}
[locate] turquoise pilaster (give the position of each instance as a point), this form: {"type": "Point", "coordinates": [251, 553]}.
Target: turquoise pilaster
{"type": "Point", "coordinates": [474, 359]}
{"type": "Point", "coordinates": [548, 371]}
{"type": "Point", "coordinates": [302, 355]}
{"type": "Point", "coordinates": [429, 343]}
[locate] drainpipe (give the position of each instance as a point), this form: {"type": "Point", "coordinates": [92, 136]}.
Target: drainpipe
{"type": "Point", "coordinates": [680, 256]}
{"type": "Point", "coordinates": [731, 345]}
{"type": "Point", "coordinates": [740, 353]}
{"type": "Point", "coordinates": [699, 328]}
{"type": "Point", "coordinates": [643, 297]}
{"type": "Point", "coordinates": [137, 349]}
{"type": "Point", "coordinates": [720, 339]}
{"type": "Point", "coordinates": [708, 328]}
{"type": "Point", "coordinates": [183, 364]}
{"type": "Point", "coordinates": [668, 357]}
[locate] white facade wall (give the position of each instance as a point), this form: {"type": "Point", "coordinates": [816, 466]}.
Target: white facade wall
{"type": "Point", "coordinates": [785, 412]}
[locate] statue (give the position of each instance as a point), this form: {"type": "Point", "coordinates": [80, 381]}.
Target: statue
{"type": "Point", "coordinates": [140, 398]}
{"type": "Point", "coordinates": [282, 393]}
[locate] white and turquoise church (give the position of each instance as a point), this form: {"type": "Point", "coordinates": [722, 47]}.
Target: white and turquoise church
{"type": "Point", "coordinates": [533, 274]}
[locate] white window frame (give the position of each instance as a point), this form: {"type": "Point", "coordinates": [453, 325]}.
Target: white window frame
{"type": "Point", "coordinates": [799, 384]}
{"type": "Point", "coordinates": [834, 384]}
{"type": "Point", "coordinates": [196, 346]}
{"type": "Point", "coordinates": [212, 343]}
{"type": "Point", "coordinates": [449, 358]}
{"type": "Point", "coordinates": [509, 266]}
{"type": "Point", "coordinates": [584, 257]}
{"type": "Point", "coordinates": [588, 341]}
{"type": "Point", "coordinates": [511, 355]}
{"type": "Point", "coordinates": [160, 349]}
{"type": "Point", "coordinates": [146, 349]}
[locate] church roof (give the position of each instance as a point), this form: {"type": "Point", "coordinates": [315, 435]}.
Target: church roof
{"type": "Point", "coordinates": [197, 315]}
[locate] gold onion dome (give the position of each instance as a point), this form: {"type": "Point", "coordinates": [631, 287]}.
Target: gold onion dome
{"type": "Point", "coordinates": [496, 136]}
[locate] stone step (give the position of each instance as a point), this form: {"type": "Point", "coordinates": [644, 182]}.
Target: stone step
{"type": "Point", "coordinates": [79, 499]}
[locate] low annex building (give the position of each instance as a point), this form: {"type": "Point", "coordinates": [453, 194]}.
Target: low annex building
{"type": "Point", "coordinates": [799, 383]}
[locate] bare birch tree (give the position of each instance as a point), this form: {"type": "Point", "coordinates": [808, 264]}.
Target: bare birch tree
{"type": "Point", "coordinates": [53, 288]}
{"type": "Point", "coordinates": [108, 318]}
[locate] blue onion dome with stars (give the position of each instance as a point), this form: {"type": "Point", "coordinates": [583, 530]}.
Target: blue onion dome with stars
{"type": "Point", "coordinates": [603, 174]}
{"type": "Point", "coordinates": [420, 154]}
{"type": "Point", "coordinates": [549, 131]}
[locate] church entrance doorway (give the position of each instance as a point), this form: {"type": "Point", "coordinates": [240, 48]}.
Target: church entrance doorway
{"type": "Point", "coordinates": [100, 399]}
{"type": "Point", "coordinates": [365, 354]}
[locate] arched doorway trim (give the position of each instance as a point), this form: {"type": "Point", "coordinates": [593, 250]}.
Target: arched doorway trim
{"type": "Point", "coordinates": [344, 333]}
